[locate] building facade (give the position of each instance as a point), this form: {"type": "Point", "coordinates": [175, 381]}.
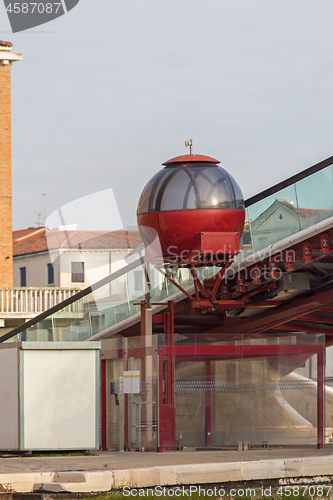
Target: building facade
{"type": "Point", "coordinates": [63, 258]}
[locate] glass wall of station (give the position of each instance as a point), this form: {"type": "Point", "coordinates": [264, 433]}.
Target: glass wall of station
{"type": "Point", "coordinates": [288, 211]}
{"type": "Point", "coordinates": [131, 393]}
{"type": "Point", "coordinates": [202, 393]}
{"type": "Point", "coordinates": [108, 304]}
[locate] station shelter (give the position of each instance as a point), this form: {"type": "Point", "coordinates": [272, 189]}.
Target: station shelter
{"type": "Point", "coordinates": [201, 360]}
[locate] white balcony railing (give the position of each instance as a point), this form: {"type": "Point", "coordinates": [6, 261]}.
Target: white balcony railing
{"type": "Point", "coordinates": [24, 301]}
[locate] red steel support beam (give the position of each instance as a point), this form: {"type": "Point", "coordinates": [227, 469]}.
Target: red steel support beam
{"type": "Point", "coordinates": [278, 316]}
{"type": "Point", "coordinates": [171, 310]}
{"type": "Point", "coordinates": [157, 318]}
{"type": "Point", "coordinates": [225, 350]}
{"type": "Point", "coordinates": [167, 336]}
{"type": "Point", "coordinates": [218, 280]}
{"type": "Point", "coordinates": [197, 296]}
{"type": "Point", "coordinates": [143, 323]}
{"type": "Point", "coordinates": [233, 304]}
{"type": "Point", "coordinates": [111, 353]}
{"type": "Point", "coordinates": [198, 285]}
{"type": "Point", "coordinates": [292, 327]}
{"type": "Point", "coordinates": [316, 319]}
{"type": "Point", "coordinates": [175, 283]}
{"type": "Point", "coordinates": [320, 398]}
{"type": "Point", "coordinates": [245, 350]}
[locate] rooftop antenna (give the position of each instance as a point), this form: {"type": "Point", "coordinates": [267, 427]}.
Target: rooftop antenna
{"type": "Point", "coordinates": [189, 144]}
{"type": "Point", "coordinates": [39, 223]}
{"type": "Point", "coordinates": [44, 211]}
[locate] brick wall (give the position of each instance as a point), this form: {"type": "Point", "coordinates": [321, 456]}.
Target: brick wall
{"type": "Point", "coordinates": [6, 240]}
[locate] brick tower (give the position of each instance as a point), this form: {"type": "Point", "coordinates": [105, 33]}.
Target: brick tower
{"type": "Point", "coordinates": [6, 240]}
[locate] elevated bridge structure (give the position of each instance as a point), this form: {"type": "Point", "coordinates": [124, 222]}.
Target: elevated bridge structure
{"type": "Point", "coordinates": [208, 361]}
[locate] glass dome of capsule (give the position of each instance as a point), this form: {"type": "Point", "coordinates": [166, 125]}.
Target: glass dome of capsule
{"type": "Point", "coordinates": [191, 187]}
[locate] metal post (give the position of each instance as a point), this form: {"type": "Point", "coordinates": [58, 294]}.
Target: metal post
{"type": "Point", "coordinates": [104, 414]}
{"type": "Point", "coordinates": [143, 366]}
{"type": "Point", "coordinates": [320, 398]}
{"type": "Point", "coordinates": [171, 310]}
{"type": "Point", "coordinates": [208, 417]}
{"type": "Point", "coordinates": [138, 426]}
{"type": "Point", "coordinates": [167, 336]}
{"type": "Point", "coordinates": [126, 435]}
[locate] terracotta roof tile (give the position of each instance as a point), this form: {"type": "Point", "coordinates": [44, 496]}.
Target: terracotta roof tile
{"type": "Point", "coordinates": [306, 212]}
{"type": "Point", "coordinates": [36, 240]}
{"type": "Point", "coordinates": [5, 44]}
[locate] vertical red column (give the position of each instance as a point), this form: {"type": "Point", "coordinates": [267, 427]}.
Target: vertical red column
{"type": "Point", "coordinates": [160, 403]}
{"type": "Point", "coordinates": [143, 367]}
{"type": "Point", "coordinates": [171, 309]}
{"type": "Point", "coordinates": [320, 398]}
{"type": "Point", "coordinates": [126, 443]}
{"type": "Point", "coordinates": [104, 410]}
{"type": "Point", "coordinates": [208, 417]}
{"type": "Point", "coordinates": [168, 375]}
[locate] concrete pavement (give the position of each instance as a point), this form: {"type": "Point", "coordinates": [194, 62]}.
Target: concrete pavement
{"type": "Point", "coordinates": [114, 470]}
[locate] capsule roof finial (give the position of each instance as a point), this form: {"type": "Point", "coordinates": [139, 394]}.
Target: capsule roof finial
{"type": "Point", "coordinates": [189, 144]}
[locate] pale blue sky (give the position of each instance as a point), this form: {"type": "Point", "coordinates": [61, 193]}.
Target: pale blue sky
{"type": "Point", "coordinates": [108, 92]}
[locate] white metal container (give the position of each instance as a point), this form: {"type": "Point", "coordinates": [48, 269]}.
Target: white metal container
{"type": "Point", "coordinates": [49, 396]}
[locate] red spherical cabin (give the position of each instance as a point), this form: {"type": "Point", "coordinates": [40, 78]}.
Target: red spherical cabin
{"type": "Point", "coordinates": [192, 206]}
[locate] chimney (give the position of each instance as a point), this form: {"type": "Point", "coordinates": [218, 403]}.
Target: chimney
{"type": "Point", "coordinates": [6, 239]}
